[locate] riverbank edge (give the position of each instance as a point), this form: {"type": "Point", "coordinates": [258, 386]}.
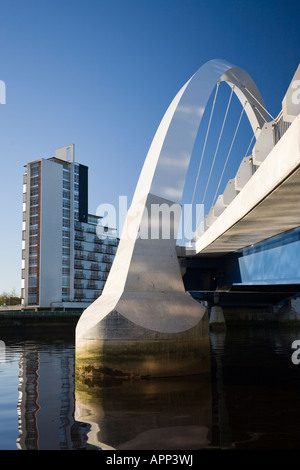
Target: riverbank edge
{"type": "Point", "coordinates": [232, 317]}
{"type": "Point", "coordinates": [42, 317]}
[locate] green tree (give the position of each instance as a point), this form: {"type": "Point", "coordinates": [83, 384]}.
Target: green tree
{"type": "Point", "coordinates": [9, 298]}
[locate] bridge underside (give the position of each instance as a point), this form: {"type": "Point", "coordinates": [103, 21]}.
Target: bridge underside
{"type": "Point", "coordinates": [249, 296]}
{"type": "Point", "coordinates": [264, 274]}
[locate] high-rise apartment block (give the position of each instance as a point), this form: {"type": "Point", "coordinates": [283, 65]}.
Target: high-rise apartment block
{"type": "Point", "coordinates": [64, 263]}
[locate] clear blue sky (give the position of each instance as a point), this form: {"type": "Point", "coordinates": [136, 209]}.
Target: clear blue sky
{"type": "Point", "coordinates": [101, 74]}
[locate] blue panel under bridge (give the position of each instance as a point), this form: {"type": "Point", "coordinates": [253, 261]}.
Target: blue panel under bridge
{"type": "Point", "coordinates": [262, 274]}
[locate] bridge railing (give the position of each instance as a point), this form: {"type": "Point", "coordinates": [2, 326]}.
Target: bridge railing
{"type": "Point", "coordinates": [280, 127]}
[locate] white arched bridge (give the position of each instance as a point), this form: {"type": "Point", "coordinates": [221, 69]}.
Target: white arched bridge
{"type": "Point", "coordinates": [145, 323]}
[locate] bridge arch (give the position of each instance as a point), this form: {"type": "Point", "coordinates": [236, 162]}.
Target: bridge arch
{"type": "Point", "coordinates": [173, 143]}
{"type": "Point", "coordinates": [145, 285]}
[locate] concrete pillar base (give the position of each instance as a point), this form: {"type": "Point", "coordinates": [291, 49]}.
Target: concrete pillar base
{"type": "Point", "coordinates": [123, 350]}
{"type": "Point", "coordinates": [216, 319]}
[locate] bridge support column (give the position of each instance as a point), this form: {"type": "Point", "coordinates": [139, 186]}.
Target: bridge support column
{"type": "Point", "coordinates": [124, 350]}
{"type": "Point", "coordinates": [144, 324]}
{"type": "Point", "coordinates": [216, 318]}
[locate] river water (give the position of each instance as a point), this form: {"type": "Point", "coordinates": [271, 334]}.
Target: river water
{"type": "Point", "coordinates": [250, 401]}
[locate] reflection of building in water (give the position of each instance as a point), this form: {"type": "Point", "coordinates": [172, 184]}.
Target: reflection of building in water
{"type": "Point", "coordinates": [46, 402]}
{"type": "Point", "coordinates": [28, 401]}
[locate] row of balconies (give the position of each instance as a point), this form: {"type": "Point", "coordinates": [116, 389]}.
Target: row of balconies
{"type": "Point", "coordinates": [80, 295]}
{"type": "Point", "coordinates": [98, 240]}
{"type": "Point", "coordinates": [87, 229]}
{"type": "Point", "coordinates": [106, 249]}
{"type": "Point", "coordinates": [105, 258]}
{"type": "Point", "coordinates": [95, 276]}
{"type": "Point", "coordinates": [92, 267]}
{"type": "Point", "coordinates": [89, 285]}
{"type": "Point", "coordinates": [95, 266]}
{"type": "Point", "coordinates": [79, 236]}
{"type": "Point", "coordinates": [108, 241]}
{"type": "Point", "coordinates": [78, 226]}
{"type": "Point", "coordinates": [91, 257]}
{"type": "Point", "coordinates": [78, 245]}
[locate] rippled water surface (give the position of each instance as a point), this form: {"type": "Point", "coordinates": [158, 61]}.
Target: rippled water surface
{"type": "Point", "coordinates": [251, 400]}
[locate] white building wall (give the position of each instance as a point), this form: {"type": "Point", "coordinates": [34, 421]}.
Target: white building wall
{"type": "Point", "coordinates": [51, 234]}
{"type": "Point", "coordinates": [71, 167]}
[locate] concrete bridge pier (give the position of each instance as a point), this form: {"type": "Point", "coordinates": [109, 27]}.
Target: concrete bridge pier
{"type": "Point", "coordinates": [144, 324]}
{"type": "Point", "coordinates": [124, 350]}
{"type": "Point", "coordinates": [216, 317]}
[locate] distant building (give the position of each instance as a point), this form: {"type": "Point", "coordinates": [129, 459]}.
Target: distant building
{"type": "Point", "coordinates": [64, 263]}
